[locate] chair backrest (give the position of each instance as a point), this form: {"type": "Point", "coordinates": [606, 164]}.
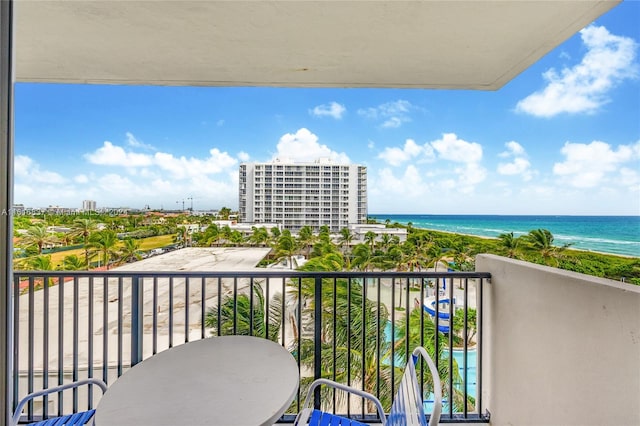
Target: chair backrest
{"type": "Point", "coordinates": [408, 408]}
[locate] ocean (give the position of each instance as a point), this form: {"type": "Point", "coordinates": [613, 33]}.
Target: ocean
{"type": "Point", "coordinates": [605, 234]}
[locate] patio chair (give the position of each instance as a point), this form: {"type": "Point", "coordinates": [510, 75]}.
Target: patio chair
{"type": "Point", "coordinates": [407, 408]}
{"type": "Point", "coordinates": [314, 417]}
{"type": "Point", "coordinates": [76, 419]}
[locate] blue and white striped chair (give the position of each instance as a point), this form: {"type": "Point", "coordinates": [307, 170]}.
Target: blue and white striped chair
{"type": "Point", "coordinates": [314, 417]}
{"type": "Point", "coordinates": [76, 419]}
{"type": "Point", "coordinates": [407, 408]}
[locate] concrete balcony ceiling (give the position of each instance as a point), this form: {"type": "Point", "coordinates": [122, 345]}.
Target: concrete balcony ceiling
{"type": "Point", "coordinates": [413, 44]}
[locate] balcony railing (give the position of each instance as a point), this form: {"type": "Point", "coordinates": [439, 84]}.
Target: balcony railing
{"type": "Point", "coordinates": [356, 328]}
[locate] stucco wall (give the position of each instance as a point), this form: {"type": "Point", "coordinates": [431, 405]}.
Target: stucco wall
{"type": "Point", "coordinates": [560, 348]}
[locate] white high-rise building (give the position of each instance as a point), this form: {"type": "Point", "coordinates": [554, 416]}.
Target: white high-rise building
{"type": "Point", "coordinates": [88, 205]}
{"type": "Point", "coordinates": [299, 194]}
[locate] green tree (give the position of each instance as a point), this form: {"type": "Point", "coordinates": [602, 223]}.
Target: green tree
{"type": "Point", "coordinates": [306, 239]}
{"type": "Point", "coordinates": [259, 236]}
{"type": "Point", "coordinates": [37, 263]}
{"type": "Point", "coordinates": [38, 236]}
{"type": "Point", "coordinates": [458, 325]}
{"type": "Point", "coordinates": [286, 247]}
{"type": "Point", "coordinates": [510, 244]}
{"type": "Point", "coordinates": [130, 250]}
{"type": "Point", "coordinates": [224, 213]}
{"type": "Point", "coordinates": [84, 228]}
{"type": "Point", "coordinates": [370, 238]}
{"type": "Point", "coordinates": [73, 263]}
{"type": "Point", "coordinates": [420, 330]}
{"type": "Point", "coordinates": [211, 235]}
{"type": "Point", "coordinates": [362, 257]}
{"type": "Point", "coordinates": [346, 316]}
{"type": "Point", "coordinates": [105, 243]}
{"type": "Point", "coordinates": [241, 317]}
{"type": "Point", "coordinates": [541, 241]}
{"type": "Point", "coordinates": [346, 237]}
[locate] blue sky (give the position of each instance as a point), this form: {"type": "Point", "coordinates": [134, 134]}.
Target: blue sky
{"type": "Point", "coordinates": [563, 137]}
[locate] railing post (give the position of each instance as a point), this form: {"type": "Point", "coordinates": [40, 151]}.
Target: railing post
{"type": "Point", "coordinates": [317, 338]}
{"type": "Point", "coordinates": [137, 312]}
{"type": "Point", "coordinates": [6, 205]}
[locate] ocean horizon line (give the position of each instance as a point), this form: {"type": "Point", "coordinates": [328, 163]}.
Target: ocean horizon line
{"type": "Point", "coordinates": [618, 235]}
{"type": "Point", "coordinates": [500, 215]}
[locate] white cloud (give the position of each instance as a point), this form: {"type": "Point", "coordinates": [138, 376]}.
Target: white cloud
{"type": "Point", "coordinates": [81, 178]}
{"type": "Point", "coordinates": [182, 167]}
{"type": "Point", "coordinates": [630, 178]}
{"type": "Point", "coordinates": [132, 141]}
{"type": "Point", "coordinates": [303, 146]}
{"type": "Point", "coordinates": [609, 60]}
{"type": "Point", "coordinates": [513, 148]}
{"type": "Point", "coordinates": [243, 156]}
{"type": "Point", "coordinates": [519, 164]}
{"type": "Point", "coordinates": [333, 109]}
{"type": "Point", "coordinates": [461, 178]}
{"type": "Point", "coordinates": [590, 165]}
{"type": "Point", "coordinates": [113, 155]}
{"type": "Point", "coordinates": [392, 114]}
{"type": "Point", "coordinates": [469, 176]}
{"type": "Point", "coordinates": [27, 170]}
{"type": "Point", "coordinates": [393, 122]}
{"type": "Point", "coordinates": [405, 187]}
{"type": "Point", "coordinates": [458, 150]}
{"type": "Point", "coordinates": [179, 167]}
{"type": "Point", "coordinates": [396, 156]}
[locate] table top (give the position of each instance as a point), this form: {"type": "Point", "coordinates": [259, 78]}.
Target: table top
{"type": "Point", "coordinates": [229, 381]}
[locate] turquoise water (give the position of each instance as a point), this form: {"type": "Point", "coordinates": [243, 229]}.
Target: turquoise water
{"type": "Point", "coordinates": [605, 234]}
{"type": "Point", "coordinates": [458, 356]}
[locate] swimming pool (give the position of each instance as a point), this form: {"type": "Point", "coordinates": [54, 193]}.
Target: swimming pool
{"type": "Point", "coordinates": [458, 356]}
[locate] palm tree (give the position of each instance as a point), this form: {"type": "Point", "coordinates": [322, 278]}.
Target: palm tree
{"type": "Point", "coordinates": [370, 238]}
{"type": "Point", "coordinates": [385, 242]}
{"type": "Point", "coordinates": [510, 244]}
{"type": "Point", "coordinates": [346, 237]}
{"type": "Point", "coordinates": [39, 236]}
{"type": "Point", "coordinates": [435, 254]}
{"type": "Point", "coordinates": [275, 232]}
{"type": "Point", "coordinates": [211, 235]}
{"type": "Point", "coordinates": [130, 250]}
{"type": "Point", "coordinates": [331, 261]}
{"type": "Point", "coordinates": [224, 213]}
{"type": "Point", "coordinates": [286, 247]}
{"type": "Point", "coordinates": [236, 237]}
{"type": "Point", "coordinates": [259, 236]}
{"type": "Point", "coordinates": [105, 243]}
{"type": "Point", "coordinates": [72, 263]}
{"type": "Point", "coordinates": [541, 240]}
{"type": "Point", "coordinates": [346, 316]}
{"type": "Point", "coordinates": [362, 257]}
{"type": "Point", "coordinates": [305, 239]}
{"type": "Point", "coordinates": [240, 317]}
{"type": "Point", "coordinates": [411, 333]}
{"type": "Point", "coordinates": [37, 263]}
{"type": "Point", "coordinates": [84, 228]}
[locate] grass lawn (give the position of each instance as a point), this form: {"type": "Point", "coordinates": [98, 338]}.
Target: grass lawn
{"type": "Point", "coordinates": [145, 245]}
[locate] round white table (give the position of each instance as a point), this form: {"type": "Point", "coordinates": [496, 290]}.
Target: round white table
{"type": "Point", "coordinates": [227, 381]}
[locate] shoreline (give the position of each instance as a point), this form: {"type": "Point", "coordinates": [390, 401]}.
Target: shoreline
{"type": "Point", "coordinates": [486, 237]}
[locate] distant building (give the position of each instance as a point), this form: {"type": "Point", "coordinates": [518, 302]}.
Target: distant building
{"type": "Point", "coordinates": [88, 205]}
{"type": "Point", "coordinates": [359, 231]}
{"type": "Point", "coordinates": [303, 194]}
